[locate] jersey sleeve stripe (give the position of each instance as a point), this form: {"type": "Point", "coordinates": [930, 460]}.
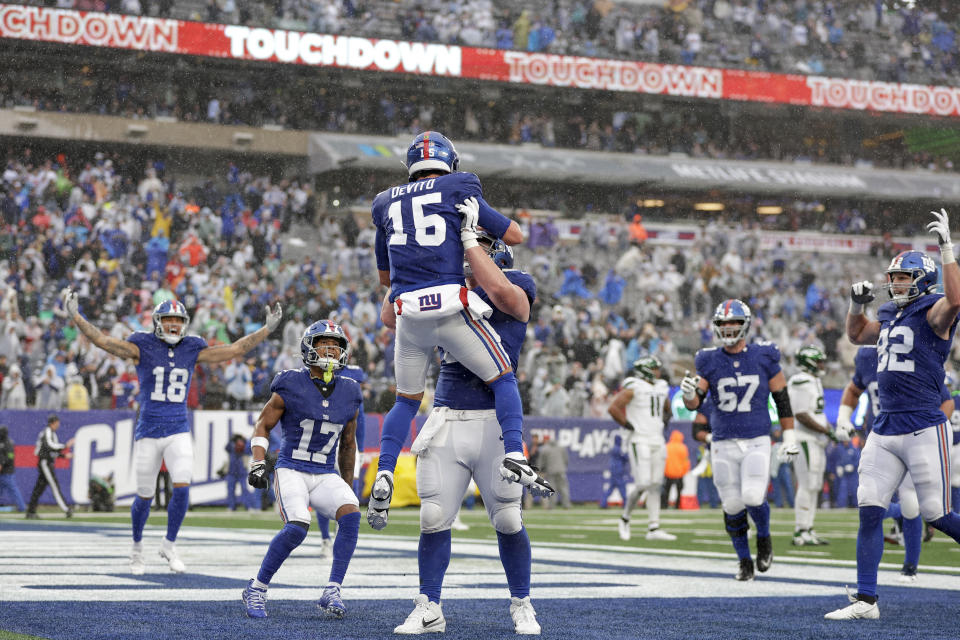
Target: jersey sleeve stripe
{"type": "Point", "coordinates": [944, 447]}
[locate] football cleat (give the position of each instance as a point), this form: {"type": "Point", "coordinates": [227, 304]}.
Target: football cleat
{"type": "Point", "coordinates": [168, 551]}
{"type": "Point", "coordinates": [896, 534]}
{"type": "Point", "coordinates": [745, 574]}
{"type": "Point", "coordinates": [660, 534]}
{"type": "Point", "coordinates": [255, 600]}
{"type": "Point", "coordinates": [928, 532]}
{"type": "Point", "coordinates": [331, 603]}
{"type": "Point", "coordinates": [515, 468]}
{"type": "Point", "coordinates": [524, 617]}
{"type": "Point", "coordinates": [380, 497]}
{"type": "Point", "coordinates": [858, 609]}
{"type": "Point", "coordinates": [427, 617]}
{"type": "Point", "coordinates": [799, 539]}
{"type": "Point", "coordinates": [326, 548]}
{"type": "Point", "coordinates": [623, 528]}
{"type": "Point", "coordinates": [812, 539]}
{"type": "Point", "coordinates": [764, 553]}
{"type": "Point", "coordinates": [459, 525]}
{"type": "Point", "coordinates": [908, 574]}
{"type": "Point", "coordinates": [137, 565]}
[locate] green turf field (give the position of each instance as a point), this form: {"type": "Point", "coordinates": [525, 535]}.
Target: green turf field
{"type": "Point", "coordinates": [699, 532]}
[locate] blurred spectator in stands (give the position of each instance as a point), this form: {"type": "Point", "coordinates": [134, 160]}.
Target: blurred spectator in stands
{"type": "Point", "coordinates": [78, 398]}
{"type": "Point", "coordinates": [677, 465]}
{"type": "Point", "coordinates": [553, 461]}
{"type": "Point", "coordinates": [14, 394]}
{"type": "Point", "coordinates": [49, 388]}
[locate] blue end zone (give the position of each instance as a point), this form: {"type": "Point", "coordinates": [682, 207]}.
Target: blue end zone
{"type": "Point", "coordinates": [906, 612]}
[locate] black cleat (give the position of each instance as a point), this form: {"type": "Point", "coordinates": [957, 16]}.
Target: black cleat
{"type": "Point", "coordinates": [745, 574]}
{"type": "Point", "coordinates": [764, 553]}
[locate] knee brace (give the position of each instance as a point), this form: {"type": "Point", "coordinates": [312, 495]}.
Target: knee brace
{"type": "Point", "coordinates": [507, 519]}
{"type": "Point", "coordinates": [736, 524]}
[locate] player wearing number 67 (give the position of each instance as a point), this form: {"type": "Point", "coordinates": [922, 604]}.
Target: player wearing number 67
{"type": "Point", "coordinates": [165, 359]}
{"type": "Point", "coordinates": [913, 332]}
{"type": "Point", "coordinates": [739, 377]}
{"type": "Point", "coordinates": [317, 408]}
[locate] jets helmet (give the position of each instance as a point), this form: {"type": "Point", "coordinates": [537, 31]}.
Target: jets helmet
{"type": "Point", "coordinates": [646, 367]}
{"type": "Point", "coordinates": [731, 310]}
{"type": "Point", "coordinates": [431, 151]}
{"type": "Point", "coordinates": [328, 329]}
{"type": "Point", "coordinates": [811, 359]}
{"type": "Point", "coordinates": [920, 267]}
{"type": "Point", "coordinates": [168, 309]}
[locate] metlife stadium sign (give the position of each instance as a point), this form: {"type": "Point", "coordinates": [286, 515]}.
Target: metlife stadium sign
{"type": "Point", "coordinates": [369, 54]}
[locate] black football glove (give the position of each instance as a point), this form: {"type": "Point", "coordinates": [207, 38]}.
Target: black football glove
{"type": "Point", "coordinates": [257, 478]}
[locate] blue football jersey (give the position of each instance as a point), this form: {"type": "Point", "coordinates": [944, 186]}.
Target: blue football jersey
{"type": "Point", "coordinates": [740, 385]}
{"type": "Point", "coordinates": [418, 230]}
{"type": "Point", "coordinates": [164, 372]}
{"type": "Point", "coordinates": [910, 373]}
{"type": "Point", "coordinates": [311, 423]}
{"type": "Point", "coordinates": [457, 387]}
{"type": "Point", "coordinates": [354, 372]}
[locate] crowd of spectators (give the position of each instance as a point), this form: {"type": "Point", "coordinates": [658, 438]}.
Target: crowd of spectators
{"type": "Point", "coordinates": [128, 236]}
{"type": "Point", "coordinates": [867, 39]}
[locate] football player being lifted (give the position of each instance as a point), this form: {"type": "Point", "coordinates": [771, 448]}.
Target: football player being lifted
{"type": "Point", "coordinates": [424, 228]}
{"type": "Point", "coordinates": [913, 333]}
{"type": "Point", "coordinates": [165, 359]}
{"type": "Point", "coordinates": [317, 408]}
{"type": "Point", "coordinates": [740, 377]}
{"type": "Point", "coordinates": [642, 407]}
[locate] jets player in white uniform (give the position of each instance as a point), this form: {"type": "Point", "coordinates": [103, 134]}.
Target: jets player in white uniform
{"type": "Point", "coordinates": [642, 407]}
{"type": "Point", "coordinates": [813, 431]}
{"type": "Point", "coordinates": [165, 361]}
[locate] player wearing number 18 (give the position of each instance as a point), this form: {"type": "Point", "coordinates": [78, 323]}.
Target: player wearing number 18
{"type": "Point", "coordinates": [165, 359]}
{"type": "Point", "coordinates": [739, 377]}
{"type": "Point", "coordinates": [911, 434]}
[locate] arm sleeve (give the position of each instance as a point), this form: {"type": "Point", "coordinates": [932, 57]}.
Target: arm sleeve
{"type": "Point", "coordinates": [380, 249]}
{"type": "Point", "coordinates": [772, 357]}
{"type": "Point", "coordinates": [492, 220]}
{"type": "Point", "coordinates": [52, 442]}
{"type": "Point", "coordinates": [278, 385]}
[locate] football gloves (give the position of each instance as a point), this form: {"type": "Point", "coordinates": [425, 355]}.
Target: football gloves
{"type": "Point", "coordinates": [470, 210]}
{"type": "Point", "coordinates": [862, 292]}
{"type": "Point", "coordinates": [71, 301]}
{"type": "Point", "coordinates": [257, 478]}
{"type": "Point", "coordinates": [273, 316]}
{"type": "Point", "coordinates": [689, 386]}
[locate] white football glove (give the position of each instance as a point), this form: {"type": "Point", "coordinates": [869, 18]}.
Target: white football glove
{"type": "Point", "coordinates": [789, 449]}
{"type": "Point", "coordinates": [844, 430]}
{"type": "Point", "coordinates": [689, 385]}
{"type": "Point", "coordinates": [941, 228]}
{"type": "Point", "coordinates": [273, 316]}
{"type": "Point", "coordinates": [470, 210]}
{"type": "Point", "coordinates": [71, 302]}
{"type": "Point", "coordinates": [708, 439]}
{"type": "Point", "coordinates": [955, 421]}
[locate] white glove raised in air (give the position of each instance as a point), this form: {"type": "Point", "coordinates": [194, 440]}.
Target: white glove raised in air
{"type": "Point", "coordinates": [470, 210]}
{"type": "Point", "coordinates": [789, 449]}
{"type": "Point", "coordinates": [273, 316]}
{"type": "Point", "coordinates": [689, 385]}
{"type": "Point", "coordinates": [861, 292]}
{"type": "Point", "coordinates": [941, 228]}
{"type": "Point", "coordinates": [71, 302]}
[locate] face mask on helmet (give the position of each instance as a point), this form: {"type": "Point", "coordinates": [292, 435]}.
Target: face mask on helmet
{"type": "Point", "coordinates": [170, 332]}
{"type": "Point", "coordinates": [431, 151]}
{"type": "Point", "coordinates": [731, 322]}
{"type": "Point", "coordinates": [498, 250]}
{"type": "Point", "coordinates": [917, 276]}
{"type": "Point", "coordinates": [329, 357]}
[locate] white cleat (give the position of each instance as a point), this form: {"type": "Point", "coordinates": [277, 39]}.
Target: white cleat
{"type": "Point", "coordinates": [137, 565]}
{"type": "Point", "coordinates": [908, 575]}
{"type": "Point", "coordinates": [427, 617]}
{"type": "Point", "coordinates": [168, 551]}
{"type": "Point", "coordinates": [660, 534]}
{"type": "Point", "coordinates": [326, 548]}
{"type": "Point", "coordinates": [623, 528]}
{"type": "Point", "coordinates": [857, 610]}
{"type": "Point", "coordinates": [380, 496]}
{"type": "Point", "coordinates": [459, 525]}
{"type": "Point", "coordinates": [524, 617]}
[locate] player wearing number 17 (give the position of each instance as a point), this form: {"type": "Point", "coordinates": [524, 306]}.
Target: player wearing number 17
{"type": "Point", "coordinates": [739, 377]}
{"type": "Point", "coordinates": [911, 434]}
{"type": "Point", "coordinates": [425, 230]}
{"type": "Point", "coordinates": [165, 359]}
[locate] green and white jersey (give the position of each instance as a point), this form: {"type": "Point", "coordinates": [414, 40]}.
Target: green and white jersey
{"type": "Point", "coordinates": [806, 396]}
{"type": "Point", "coordinates": [645, 409]}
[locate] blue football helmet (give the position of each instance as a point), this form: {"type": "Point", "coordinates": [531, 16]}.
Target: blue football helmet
{"type": "Point", "coordinates": [431, 151]}
{"type": "Point", "coordinates": [327, 329]}
{"type": "Point", "coordinates": [727, 311]}
{"type": "Point", "coordinates": [499, 251]}
{"type": "Point", "coordinates": [168, 309]}
{"type": "Point", "coordinates": [920, 267]}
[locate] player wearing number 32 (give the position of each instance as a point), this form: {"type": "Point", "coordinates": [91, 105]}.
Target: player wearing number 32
{"type": "Point", "coordinates": [739, 377]}
{"type": "Point", "coordinates": [165, 360]}
{"type": "Point", "coordinates": [911, 434]}
{"type": "Point", "coordinates": [425, 229]}
{"type": "Point", "coordinates": [317, 408]}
